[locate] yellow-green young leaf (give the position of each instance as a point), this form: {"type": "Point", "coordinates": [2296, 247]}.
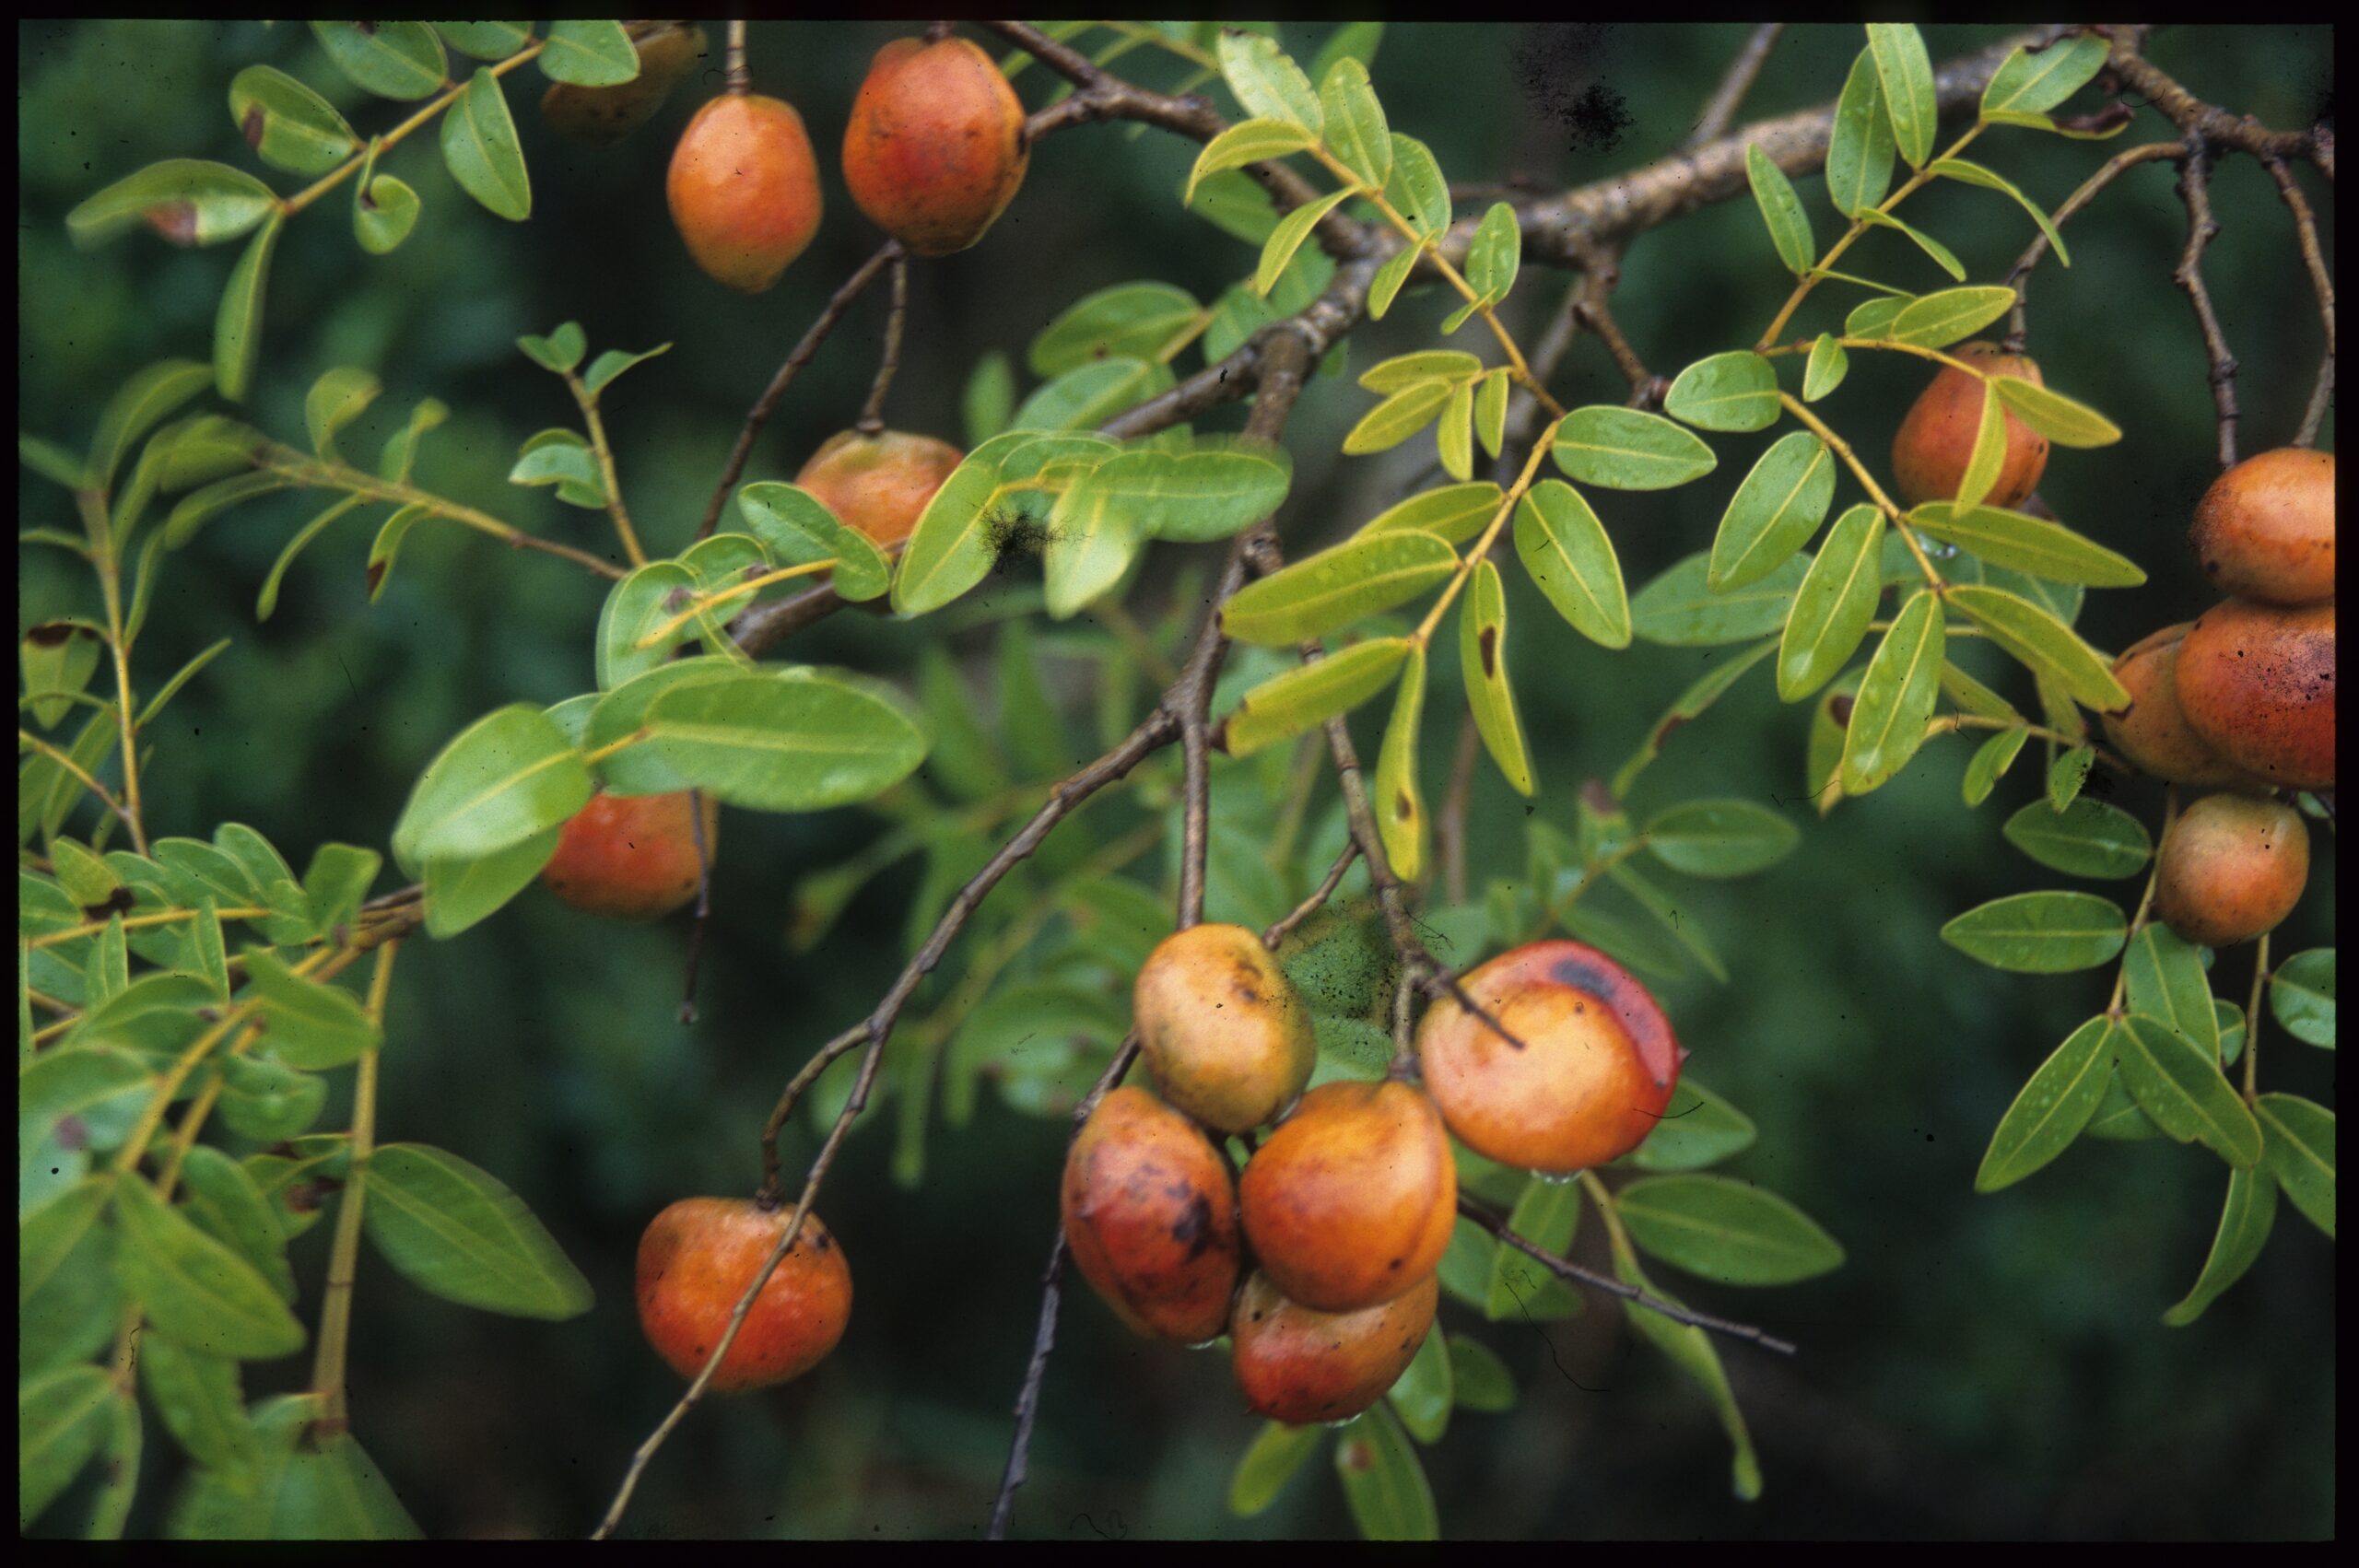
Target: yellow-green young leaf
{"type": "Point", "coordinates": [1990, 761]}
{"type": "Point", "coordinates": [1417, 189]}
{"type": "Point", "coordinates": [1454, 513]}
{"type": "Point", "coordinates": [1967, 173]}
{"type": "Point", "coordinates": [2166, 980]}
{"type": "Point", "coordinates": [1355, 129]}
{"type": "Point", "coordinates": [194, 1289]}
{"type": "Point", "coordinates": [1937, 320]}
{"type": "Point", "coordinates": [335, 400]}
{"type": "Point", "coordinates": [1626, 448]}
{"type": "Point", "coordinates": [1858, 153]}
{"type": "Point", "coordinates": [384, 211]}
{"type": "Point", "coordinates": [1688, 706]}
{"type": "Point", "coordinates": [799, 529]}
{"type": "Point", "coordinates": [2051, 1108]}
{"type": "Point", "coordinates": [462, 892]}
{"type": "Point", "coordinates": [1269, 1464]}
{"type": "Point", "coordinates": [2300, 995]}
{"type": "Point", "coordinates": [1483, 659]}
{"type": "Point", "coordinates": [1287, 237]}
{"type": "Point", "coordinates": [2037, 638]}
{"type": "Point", "coordinates": [1252, 141]}
{"type": "Point", "coordinates": [1397, 418]}
{"type": "Point", "coordinates": [312, 1025]}
{"type": "Point", "coordinates": [1678, 609]}
{"type": "Point", "coordinates": [1423, 1395]}
{"type": "Point", "coordinates": [1989, 454]}
{"type": "Point", "coordinates": [396, 59]}
{"type": "Point", "coordinates": [1454, 436]}
{"type": "Point", "coordinates": [1143, 320]}
{"type": "Point", "coordinates": [1332, 590]}
{"type": "Point", "coordinates": [2245, 1222]}
{"type": "Point", "coordinates": [237, 325]}
{"type": "Point", "coordinates": [1267, 82]}
{"type": "Point", "coordinates": [458, 1232]}
{"type": "Point", "coordinates": [1725, 1229]}
{"type": "Point", "coordinates": [1736, 390]}
{"type": "Point", "coordinates": [287, 125]}
{"type": "Point", "coordinates": [2300, 1138]}
{"type": "Point", "coordinates": [509, 775]}
{"type": "Point", "coordinates": [1389, 279]}
{"type": "Point", "coordinates": [1873, 318]}
{"type": "Point", "coordinates": [2040, 933]}
{"type": "Point", "coordinates": [1383, 1482]}
{"type": "Point", "coordinates": [2061, 420]}
{"type": "Point", "coordinates": [1907, 73]}
{"type": "Point", "coordinates": [1400, 806]}
{"type": "Point", "coordinates": [1942, 255]}
{"type": "Point", "coordinates": [953, 543]}
{"type": "Point", "coordinates": [2176, 1082]}
{"type": "Point", "coordinates": [187, 200]}
{"type": "Point", "coordinates": [1781, 209]}
{"type": "Point", "coordinates": [1493, 256]}
{"type": "Point", "coordinates": [1093, 540]}
{"type": "Point", "coordinates": [1689, 1348]}
{"type": "Point", "coordinates": [1211, 489]}
{"type": "Point", "coordinates": [589, 55]}
{"type": "Point", "coordinates": [1825, 369]}
{"type": "Point", "coordinates": [1570, 555]}
{"type": "Point", "coordinates": [649, 598]}
{"type": "Point", "coordinates": [787, 741]}
{"type": "Point", "coordinates": [1286, 705]}
{"type": "Point", "coordinates": [1491, 411]}
{"type": "Point", "coordinates": [1895, 700]}
{"type": "Point", "coordinates": [1406, 371]}
{"type": "Point", "coordinates": [1833, 606]}
{"type": "Point", "coordinates": [63, 1417]}
{"type": "Point", "coordinates": [2032, 84]}
{"type": "Point", "coordinates": [479, 147]}
{"type": "Point", "coordinates": [1774, 511]}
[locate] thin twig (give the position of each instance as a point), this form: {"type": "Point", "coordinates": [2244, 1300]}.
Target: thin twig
{"type": "Point", "coordinates": [872, 413]}
{"type": "Point", "coordinates": [1318, 899]}
{"type": "Point", "coordinates": [2195, 191]}
{"type": "Point", "coordinates": [2305, 236]}
{"type": "Point", "coordinates": [2019, 276]}
{"type": "Point", "coordinates": [1722, 107]}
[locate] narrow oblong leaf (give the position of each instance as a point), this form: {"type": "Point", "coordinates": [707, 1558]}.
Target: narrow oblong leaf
{"type": "Point", "coordinates": [1406, 371]}
{"type": "Point", "coordinates": [1287, 237]}
{"type": "Point", "coordinates": [187, 200]}
{"type": "Point", "coordinates": [1679, 609]}
{"type": "Point", "coordinates": [1858, 151]}
{"type": "Point", "coordinates": [2245, 1219]}
{"type": "Point", "coordinates": [799, 529]}
{"type": "Point", "coordinates": [1626, 448]}
{"type": "Point", "coordinates": [396, 59]}
{"type": "Point", "coordinates": [1940, 319]}
{"type": "Point", "coordinates": [1719, 839]}
{"type": "Point", "coordinates": [1833, 606]}
{"type": "Point", "coordinates": [1565, 547]}
{"type": "Point", "coordinates": [1250, 141]}
{"type": "Point", "coordinates": [2051, 1108]}
{"type": "Point", "coordinates": [2061, 420]}
{"type": "Point", "coordinates": [1211, 489]}
{"type": "Point", "coordinates": [508, 775]}
{"type": "Point", "coordinates": [2300, 995]}
{"type": "Point", "coordinates": [1774, 511]}
{"type": "Point", "coordinates": [1990, 761]}
{"type": "Point", "coordinates": [1389, 279]}
{"type": "Point", "coordinates": [2037, 638]}
{"type": "Point", "coordinates": [1383, 1482]}
{"type": "Point", "coordinates": [1337, 587]}
{"type": "Point", "coordinates": [1415, 188]}
{"type": "Point", "coordinates": [2040, 933]}
{"type": "Point", "coordinates": [194, 1289]}
{"type": "Point", "coordinates": [1268, 1464]}
{"type": "Point", "coordinates": [1967, 173]}
{"type": "Point", "coordinates": [1397, 418]}
{"type": "Point", "coordinates": [649, 598]}
{"type": "Point", "coordinates": [2164, 978]}
{"type": "Point", "coordinates": [1725, 1229]}
{"type": "Point", "coordinates": [2027, 544]}
{"type": "Point", "coordinates": [1482, 657]}
{"type": "Point", "coordinates": [237, 325]}
{"type": "Point", "coordinates": [1267, 81]}
{"type": "Point", "coordinates": [1907, 73]}
{"type": "Point", "coordinates": [2299, 1135]}
{"type": "Point", "coordinates": [1824, 370]}
{"type": "Point", "coordinates": [2176, 1082]}
{"type": "Point", "coordinates": [1690, 1350]}
{"type": "Point", "coordinates": [287, 125]}
{"type": "Point", "coordinates": [1400, 805]}
{"type": "Point", "coordinates": [1736, 390]}
{"type": "Point", "coordinates": [1452, 513]}
{"type": "Point", "coordinates": [457, 1231]}
{"type": "Point", "coordinates": [1895, 700]}
{"type": "Point", "coordinates": [1142, 319]}
{"type": "Point", "coordinates": [1494, 253]}
{"type": "Point", "coordinates": [1286, 705]}
{"type": "Point", "coordinates": [1781, 210]}
{"type": "Point", "coordinates": [2089, 838]}
{"type": "Point", "coordinates": [2030, 83]}
{"type": "Point", "coordinates": [480, 149]}
{"type": "Point", "coordinates": [1684, 709]}
{"type": "Point", "coordinates": [1940, 254]}
{"type": "Point", "coordinates": [589, 55]}
{"type": "Point", "coordinates": [798, 741]}
{"type": "Point", "coordinates": [1355, 129]}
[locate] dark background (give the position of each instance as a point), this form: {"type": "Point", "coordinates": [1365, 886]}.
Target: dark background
{"type": "Point", "coordinates": [1989, 1368]}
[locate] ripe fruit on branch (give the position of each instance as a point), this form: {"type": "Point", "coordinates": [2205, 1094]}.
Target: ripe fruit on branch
{"type": "Point", "coordinates": [1300, 1365]}
{"type": "Point", "coordinates": [1150, 1214]}
{"type": "Point", "coordinates": [1226, 1038]}
{"type": "Point", "coordinates": [2256, 682]}
{"type": "Point", "coordinates": [2151, 733]}
{"type": "Point", "coordinates": [1585, 1077]}
{"type": "Point", "coordinates": [599, 117]}
{"type": "Point", "coordinates": [1351, 1201]}
{"type": "Point", "coordinates": [2230, 868]}
{"type": "Point", "coordinates": [697, 1257]}
{"type": "Point", "coordinates": [2265, 529]}
{"type": "Point", "coordinates": [633, 857]}
{"type": "Point", "coordinates": [880, 483]}
{"type": "Point", "coordinates": [1936, 440]}
{"type": "Point", "coordinates": [745, 188]}
{"type": "Point", "coordinates": [934, 151]}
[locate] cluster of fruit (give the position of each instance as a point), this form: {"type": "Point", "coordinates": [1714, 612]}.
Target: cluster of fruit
{"type": "Point", "coordinates": [1320, 1261]}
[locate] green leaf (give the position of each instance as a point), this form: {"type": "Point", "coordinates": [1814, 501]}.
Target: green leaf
{"type": "Point", "coordinates": [58, 466]}
{"type": "Point", "coordinates": [1687, 707]}
{"type": "Point", "coordinates": [505, 778]}
{"type": "Point", "coordinates": [456, 1232]}
{"type": "Point", "coordinates": [486, 40]}
{"type": "Point", "coordinates": [1399, 808]}
{"type": "Point", "coordinates": [187, 200]}
{"type": "Point", "coordinates": [1907, 73]}
{"type": "Point", "coordinates": [1267, 82]}
{"type": "Point", "coordinates": [1697, 1128]}
{"type": "Point", "coordinates": [2089, 838]}
{"type": "Point", "coordinates": [1491, 411]}
{"type": "Point", "coordinates": [1991, 759]}
{"type": "Point", "coordinates": [1781, 209]}
{"type": "Point", "coordinates": [287, 125]}
{"type": "Point", "coordinates": [2179, 1084]}
{"type": "Point", "coordinates": [312, 1025]}
{"type": "Point", "coordinates": [1235, 203]}
{"type": "Point", "coordinates": [268, 1102]}
{"type": "Point", "coordinates": [1873, 318]}
{"type": "Point", "coordinates": [57, 660]}
{"type": "Point", "coordinates": [197, 1398]}
{"type": "Point", "coordinates": [1690, 1350]}
{"type": "Point", "coordinates": [62, 1418]}
{"type": "Point", "coordinates": [2034, 636]}
{"type": "Point", "coordinates": [194, 1289]}
{"type": "Point", "coordinates": [1479, 1379]}
{"type": "Point", "coordinates": [312, 1486]}
{"type": "Point", "coordinates": [1265, 1468]}
{"type": "Point", "coordinates": [790, 741]}
{"type": "Point", "coordinates": [1337, 588]}
{"type": "Point", "coordinates": [1773, 513]}
{"type": "Point", "coordinates": [2061, 420]}
{"type": "Point", "coordinates": [1833, 606]}
{"type": "Point", "coordinates": [1725, 1229]}
{"type": "Point", "coordinates": [1397, 418]}
{"type": "Point", "coordinates": [1482, 658]}
{"type": "Point", "coordinates": [800, 528]}
{"type": "Point", "coordinates": [1524, 1290]}
{"type": "Point", "coordinates": [2300, 995]}
{"type": "Point", "coordinates": [559, 352]}
{"type": "Point", "coordinates": [1940, 254]}
{"type": "Point", "coordinates": [1389, 279]}
{"type": "Point", "coordinates": [1737, 391]}
{"type": "Point", "coordinates": [1895, 700]}
{"type": "Point", "coordinates": [1213, 488]}
{"type": "Point", "coordinates": [1286, 705]}
{"type": "Point", "coordinates": [2245, 1221]}
{"type": "Point", "coordinates": [1355, 129]}
{"type": "Point", "coordinates": [635, 607]}
{"type": "Point", "coordinates": [225, 1204]}
{"type": "Point", "coordinates": [1287, 237]}
{"type": "Point", "coordinates": [1091, 394]}
{"type": "Point", "coordinates": [1250, 141]}
{"type": "Point", "coordinates": [68, 1304]}
{"type": "Point", "coordinates": [1940, 319]}
{"type": "Point", "coordinates": [1967, 173]}
{"type": "Point", "coordinates": [463, 891]}
{"type": "Point", "coordinates": [1421, 1396]}
{"type": "Point", "coordinates": [1143, 320]}
{"type": "Point", "coordinates": [1680, 924]}
{"type": "Point", "coordinates": [1406, 371]}
{"type": "Point", "coordinates": [1416, 189]}
{"type": "Point", "coordinates": [385, 210]}
{"type": "Point", "coordinates": [143, 401]}
{"type": "Point", "coordinates": [1677, 608]}
{"type": "Point", "coordinates": [989, 402]}
{"type": "Point", "coordinates": [612, 363]}
{"type": "Point", "coordinates": [1453, 513]}
{"type": "Point", "coordinates": [2300, 1153]}
{"type": "Point", "coordinates": [480, 149]}
{"type": "Point", "coordinates": [1827, 366]}
{"type": "Point", "coordinates": [237, 325]}
{"type": "Point", "coordinates": [1353, 41]}
{"type": "Point", "coordinates": [2051, 1108]}
{"type": "Point", "coordinates": [2040, 933]}
{"type": "Point", "coordinates": [2028, 83]}
{"type": "Point", "coordinates": [1720, 838]}
{"type": "Point", "coordinates": [397, 60]}
{"type": "Point", "coordinates": [1624, 449]}
{"type": "Point", "coordinates": [2027, 544]}
{"type": "Point", "coordinates": [2166, 980]}
{"type": "Point", "coordinates": [335, 400]}
{"type": "Point", "coordinates": [589, 55]}
{"type": "Point", "coordinates": [1570, 557]}
{"type": "Point", "coordinates": [386, 546]}
{"type": "Point", "coordinates": [1383, 1482]}
{"type": "Point", "coordinates": [1494, 253]}
{"type": "Point", "coordinates": [1858, 153]}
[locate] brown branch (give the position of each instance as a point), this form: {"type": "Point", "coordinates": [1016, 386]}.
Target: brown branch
{"type": "Point", "coordinates": [2206, 122]}
{"type": "Point", "coordinates": [2305, 235]}
{"type": "Point", "coordinates": [2195, 192]}
{"type": "Point", "coordinates": [1318, 899]}
{"type": "Point", "coordinates": [1722, 107]}
{"type": "Point", "coordinates": [2019, 276]}
{"type": "Point", "coordinates": [872, 413]}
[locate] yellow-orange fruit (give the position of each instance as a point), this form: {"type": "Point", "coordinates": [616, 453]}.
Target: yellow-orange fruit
{"type": "Point", "coordinates": [1352, 1199]}
{"type": "Point", "coordinates": [632, 857]}
{"type": "Point", "coordinates": [2265, 529]}
{"type": "Point", "coordinates": [1150, 1215]}
{"type": "Point", "coordinates": [600, 117]}
{"type": "Point", "coordinates": [2151, 733]}
{"type": "Point", "coordinates": [934, 149]}
{"type": "Point", "coordinates": [1585, 1076]}
{"type": "Point", "coordinates": [2230, 868]}
{"type": "Point", "coordinates": [697, 1257]}
{"type": "Point", "coordinates": [1300, 1365]}
{"type": "Point", "coordinates": [1936, 439]}
{"type": "Point", "coordinates": [2256, 682]}
{"type": "Point", "coordinates": [879, 484]}
{"type": "Point", "coordinates": [745, 188]}
{"type": "Point", "coordinates": [1226, 1038]}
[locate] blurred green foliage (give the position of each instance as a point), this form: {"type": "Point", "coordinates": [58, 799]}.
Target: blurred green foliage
{"type": "Point", "coordinates": [1987, 1367]}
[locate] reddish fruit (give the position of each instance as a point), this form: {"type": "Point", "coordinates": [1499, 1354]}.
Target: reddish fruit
{"type": "Point", "coordinates": [1584, 1078]}
{"type": "Point", "coordinates": [697, 1257]}
{"type": "Point", "coordinates": [745, 188]}
{"type": "Point", "coordinates": [2230, 868]}
{"type": "Point", "coordinates": [633, 857]}
{"type": "Point", "coordinates": [1351, 1201]}
{"type": "Point", "coordinates": [2151, 733]}
{"type": "Point", "coordinates": [2256, 682]}
{"type": "Point", "coordinates": [1150, 1213]}
{"type": "Point", "coordinates": [879, 485]}
{"type": "Point", "coordinates": [1936, 440]}
{"type": "Point", "coordinates": [1226, 1038]}
{"type": "Point", "coordinates": [2265, 529]}
{"type": "Point", "coordinates": [1298, 1366]}
{"type": "Point", "coordinates": [934, 151]}
{"type": "Point", "coordinates": [599, 117]}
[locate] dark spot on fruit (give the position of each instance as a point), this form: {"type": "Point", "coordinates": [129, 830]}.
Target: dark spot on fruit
{"type": "Point", "coordinates": [1193, 1229]}
{"type": "Point", "coordinates": [822, 1242]}
{"type": "Point", "coordinates": [1396, 1263]}
{"type": "Point", "coordinates": [1582, 975]}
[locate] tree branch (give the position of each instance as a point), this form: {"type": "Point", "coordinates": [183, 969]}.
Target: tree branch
{"type": "Point", "coordinates": [1722, 107]}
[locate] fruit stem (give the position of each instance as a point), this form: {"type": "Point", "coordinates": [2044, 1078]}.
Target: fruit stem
{"type": "Point", "coordinates": [737, 80]}
{"type": "Point", "coordinates": [872, 413]}
{"type": "Point", "coordinates": [2252, 1019]}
